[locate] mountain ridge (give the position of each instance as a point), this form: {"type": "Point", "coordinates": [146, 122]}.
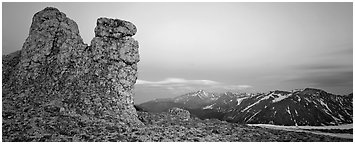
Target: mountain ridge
{"type": "Point", "coordinates": [308, 106]}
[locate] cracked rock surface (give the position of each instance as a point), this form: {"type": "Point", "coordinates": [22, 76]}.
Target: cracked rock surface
{"type": "Point", "coordinates": [56, 85]}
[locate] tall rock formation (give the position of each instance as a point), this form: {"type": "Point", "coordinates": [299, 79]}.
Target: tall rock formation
{"type": "Point", "coordinates": [55, 83]}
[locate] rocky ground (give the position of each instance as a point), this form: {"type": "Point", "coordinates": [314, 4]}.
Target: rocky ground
{"type": "Point", "coordinates": [158, 127]}
{"type": "Point", "coordinates": [167, 127]}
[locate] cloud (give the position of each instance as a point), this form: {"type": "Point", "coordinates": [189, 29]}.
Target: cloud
{"type": "Point", "coordinates": [324, 78]}
{"type": "Point", "coordinates": [338, 82]}
{"type": "Point", "coordinates": [332, 79]}
{"type": "Point", "coordinates": [172, 81]}
{"type": "Point", "coordinates": [325, 67]}
{"type": "Point", "coordinates": [238, 87]}
{"type": "Point", "coordinates": [172, 87]}
{"type": "Point", "coordinates": [179, 85]}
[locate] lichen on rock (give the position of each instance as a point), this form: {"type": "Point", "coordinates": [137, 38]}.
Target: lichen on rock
{"type": "Point", "coordinates": [56, 75]}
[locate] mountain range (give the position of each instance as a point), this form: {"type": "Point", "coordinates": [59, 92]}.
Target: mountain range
{"type": "Point", "coordinates": [298, 107]}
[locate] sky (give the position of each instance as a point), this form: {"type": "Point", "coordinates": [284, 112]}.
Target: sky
{"type": "Point", "coordinates": [218, 47]}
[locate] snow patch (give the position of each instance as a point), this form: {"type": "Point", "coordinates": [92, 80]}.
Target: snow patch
{"type": "Point", "coordinates": [288, 110]}
{"type": "Point", "coordinates": [194, 94]}
{"type": "Point", "coordinates": [347, 113]}
{"type": "Point", "coordinates": [264, 98]}
{"type": "Point", "coordinates": [204, 93]}
{"type": "Point", "coordinates": [280, 97]}
{"type": "Point", "coordinates": [240, 100]}
{"type": "Point", "coordinates": [294, 120]}
{"type": "Point", "coordinates": [250, 106]}
{"type": "Point", "coordinates": [253, 116]}
{"type": "Point", "coordinates": [343, 127]}
{"type": "Point", "coordinates": [341, 117]}
{"type": "Point", "coordinates": [341, 102]}
{"type": "Point", "coordinates": [335, 118]}
{"type": "Point", "coordinates": [328, 111]}
{"type": "Point", "coordinates": [213, 99]}
{"type": "Point", "coordinates": [307, 100]}
{"type": "Point", "coordinates": [324, 104]}
{"type": "Point", "coordinates": [209, 106]}
{"type": "Point", "coordinates": [299, 99]}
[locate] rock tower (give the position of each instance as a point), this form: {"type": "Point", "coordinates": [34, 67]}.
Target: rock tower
{"type": "Point", "coordinates": [55, 82]}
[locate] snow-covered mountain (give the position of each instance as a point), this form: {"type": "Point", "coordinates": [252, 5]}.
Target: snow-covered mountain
{"type": "Point", "coordinates": [303, 107]}
{"type": "Point", "coordinates": [196, 99]}
{"type": "Point", "coordinates": [193, 100]}
{"type": "Point", "coordinates": [298, 107]}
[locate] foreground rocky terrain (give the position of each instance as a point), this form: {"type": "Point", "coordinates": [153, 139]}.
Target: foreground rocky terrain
{"type": "Point", "coordinates": [169, 127]}
{"type": "Point", "coordinates": [159, 127]}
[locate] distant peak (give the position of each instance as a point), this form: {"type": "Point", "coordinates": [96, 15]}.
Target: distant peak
{"type": "Point", "coordinates": [297, 90]}
{"type": "Point", "coordinates": [201, 90]}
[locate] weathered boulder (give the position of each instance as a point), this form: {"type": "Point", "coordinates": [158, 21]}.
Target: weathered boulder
{"type": "Point", "coordinates": [114, 28]}
{"type": "Point", "coordinates": [181, 113]}
{"type": "Point", "coordinates": [56, 75]}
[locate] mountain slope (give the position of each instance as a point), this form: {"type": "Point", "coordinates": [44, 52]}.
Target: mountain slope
{"type": "Point", "coordinates": [307, 107]}
{"type": "Point", "coordinates": [299, 107]}
{"type": "Point", "coordinates": [196, 99]}
{"type": "Point", "coordinates": [193, 100]}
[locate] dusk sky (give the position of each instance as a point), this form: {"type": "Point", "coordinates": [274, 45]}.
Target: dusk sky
{"type": "Point", "coordinates": [218, 47]}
